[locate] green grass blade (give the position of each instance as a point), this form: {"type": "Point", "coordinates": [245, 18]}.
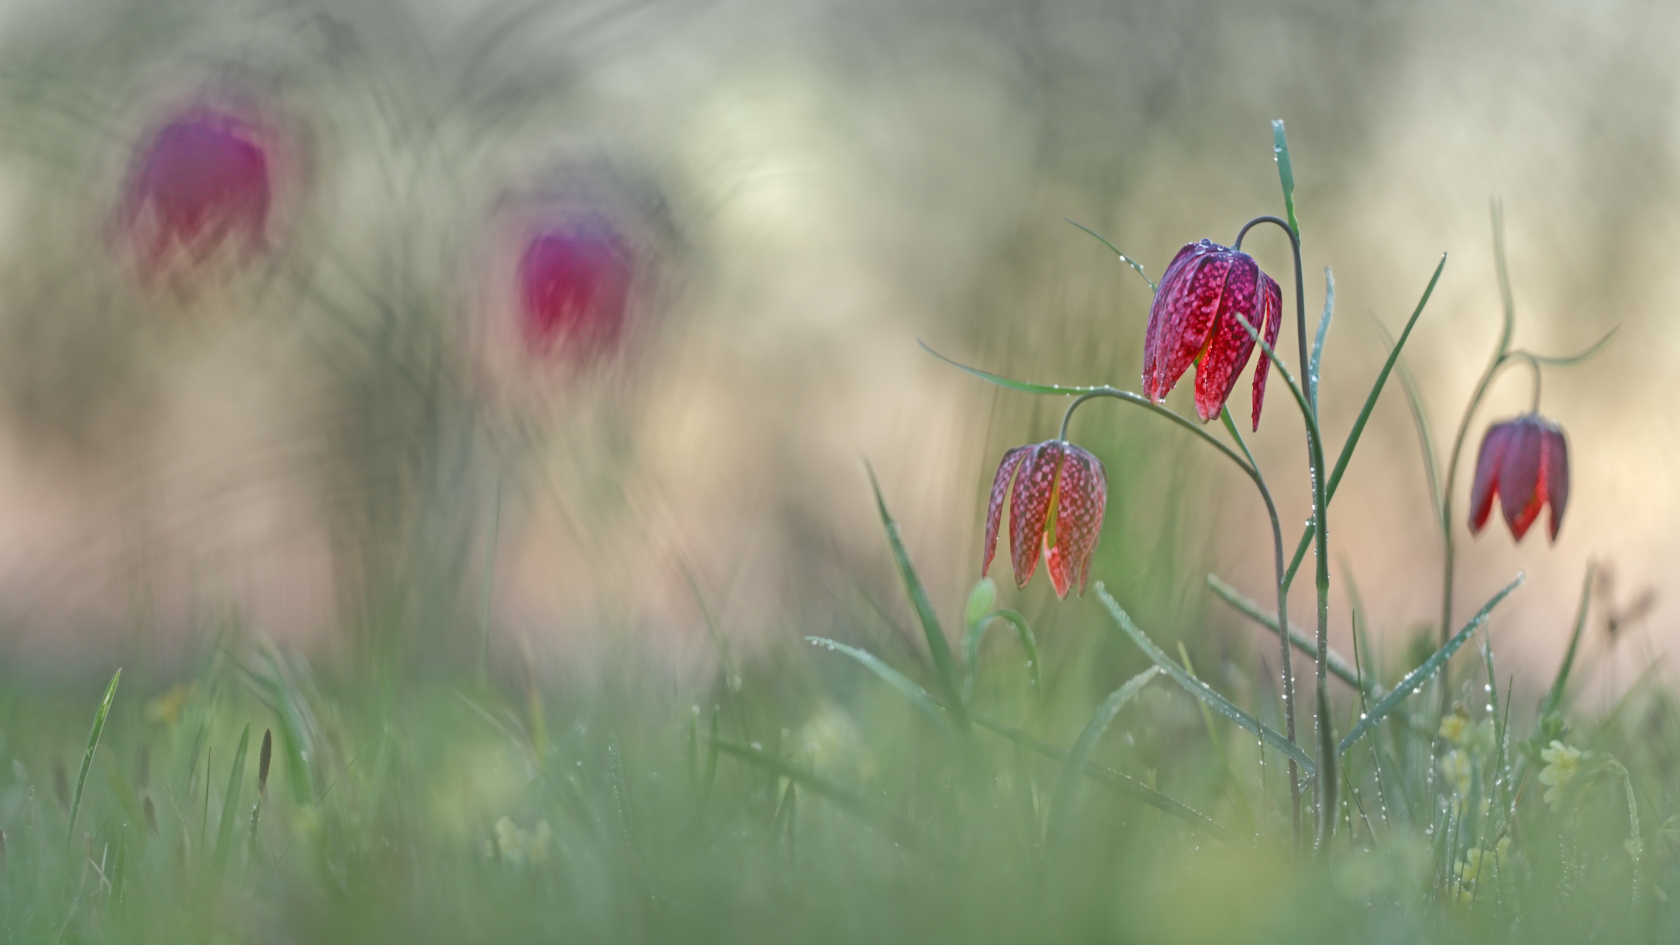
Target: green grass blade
{"type": "Point", "coordinates": [1329, 801]}
{"type": "Point", "coordinates": [230, 804]}
{"type": "Point", "coordinates": [1136, 266]}
{"type": "Point", "coordinates": [1061, 808]}
{"type": "Point", "coordinates": [1323, 331]}
{"type": "Point", "coordinates": [1286, 172]}
{"type": "Point", "coordinates": [1417, 677]}
{"type": "Point", "coordinates": [905, 685]}
{"type": "Point", "coordinates": [1554, 695]}
{"type": "Point", "coordinates": [1338, 665]}
{"type": "Point", "coordinates": [944, 666]}
{"type": "Point", "coordinates": [87, 758]}
{"type": "Point", "coordinates": [888, 823]}
{"type": "Point", "coordinates": [1364, 416]}
{"type": "Point", "coordinates": [1108, 776]}
{"type": "Point", "coordinates": [1023, 634]}
{"type": "Point", "coordinates": [1567, 360]}
{"type": "Point", "coordinates": [1023, 386]}
{"type": "Point", "coordinates": [1200, 689]}
{"type": "Point", "coordinates": [1420, 422]}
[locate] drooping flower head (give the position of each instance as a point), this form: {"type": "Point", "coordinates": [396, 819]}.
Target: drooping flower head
{"type": "Point", "coordinates": [203, 180]}
{"type": "Point", "coordinates": [574, 289]}
{"type": "Point", "coordinates": [1525, 462]}
{"type": "Point", "coordinates": [1059, 492]}
{"type": "Point", "coordinates": [1205, 289]}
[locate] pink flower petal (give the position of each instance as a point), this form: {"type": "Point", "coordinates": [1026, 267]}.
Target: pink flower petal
{"type": "Point", "coordinates": [1272, 312]}
{"type": "Point", "coordinates": [994, 506]}
{"type": "Point", "coordinates": [1029, 507]}
{"type": "Point", "coordinates": [1555, 461]}
{"type": "Point", "coordinates": [1184, 310]}
{"type": "Point", "coordinates": [1082, 496]}
{"type": "Point", "coordinates": [1520, 492]}
{"type": "Point", "coordinates": [1486, 483]}
{"type": "Point", "coordinates": [1229, 344]}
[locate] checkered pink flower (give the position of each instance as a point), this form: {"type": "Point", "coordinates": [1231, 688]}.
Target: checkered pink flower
{"type": "Point", "coordinates": [201, 181]}
{"type": "Point", "coordinates": [574, 288]}
{"type": "Point", "coordinates": [1525, 462]}
{"type": "Point", "coordinates": [1059, 492]}
{"type": "Point", "coordinates": [1206, 288]}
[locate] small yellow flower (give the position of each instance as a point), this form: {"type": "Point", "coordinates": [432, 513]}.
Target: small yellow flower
{"type": "Point", "coordinates": [1455, 767]}
{"type": "Point", "coordinates": [1454, 727]}
{"type": "Point", "coordinates": [166, 709]}
{"type": "Point", "coordinates": [1562, 764]}
{"type": "Point", "coordinates": [518, 845]}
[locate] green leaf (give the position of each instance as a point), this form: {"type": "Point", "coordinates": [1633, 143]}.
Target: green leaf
{"type": "Point", "coordinates": [1023, 386]}
{"type": "Point", "coordinates": [1286, 172]}
{"type": "Point", "coordinates": [981, 599]}
{"type": "Point", "coordinates": [87, 758]}
{"type": "Point", "coordinates": [1061, 808]}
{"type": "Point", "coordinates": [943, 664]}
{"type": "Point", "coordinates": [1323, 330]}
{"type": "Point", "coordinates": [1338, 665]}
{"type": "Point", "coordinates": [1023, 633]}
{"type": "Point", "coordinates": [1364, 416]}
{"type": "Point", "coordinates": [892, 825]}
{"type": "Point", "coordinates": [230, 804]}
{"type": "Point", "coordinates": [1136, 266]}
{"type": "Point", "coordinates": [1567, 360]}
{"type": "Point", "coordinates": [1420, 422]}
{"type": "Point", "coordinates": [1417, 677]}
{"type": "Point", "coordinates": [1554, 695]}
{"type": "Point", "coordinates": [892, 677]}
{"type": "Point", "coordinates": [1200, 689]}
{"type": "Point", "coordinates": [1114, 779]}
{"type": "Point", "coordinates": [1328, 799]}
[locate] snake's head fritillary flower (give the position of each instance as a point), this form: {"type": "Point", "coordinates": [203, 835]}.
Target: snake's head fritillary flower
{"type": "Point", "coordinates": [1059, 492]}
{"type": "Point", "coordinates": [574, 289]}
{"type": "Point", "coordinates": [201, 181]}
{"type": "Point", "coordinates": [1525, 462]}
{"type": "Point", "coordinates": [1203, 293]}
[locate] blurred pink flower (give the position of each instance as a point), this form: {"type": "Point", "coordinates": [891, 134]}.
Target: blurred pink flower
{"type": "Point", "coordinates": [200, 181]}
{"type": "Point", "coordinates": [574, 288]}
{"type": "Point", "coordinates": [1526, 462]}
{"type": "Point", "coordinates": [1206, 288]}
{"type": "Point", "coordinates": [1059, 493]}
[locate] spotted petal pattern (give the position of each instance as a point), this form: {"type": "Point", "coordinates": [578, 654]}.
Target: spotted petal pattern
{"type": "Point", "coordinates": [1029, 507]}
{"type": "Point", "coordinates": [1206, 289]}
{"type": "Point", "coordinates": [1525, 462]}
{"type": "Point", "coordinates": [994, 507]}
{"type": "Point", "coordinates": [1081, 497]}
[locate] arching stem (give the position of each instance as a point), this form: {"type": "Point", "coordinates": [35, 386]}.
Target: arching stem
{"type": "Point", "coordinates": [1315, 460]}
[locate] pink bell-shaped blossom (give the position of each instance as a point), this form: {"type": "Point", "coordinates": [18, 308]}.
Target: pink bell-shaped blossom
{"type": "Point", "coordinates": [1525, 462]}
{"type": "Point", "coordinates": [1203, 293]}
{"type": "Point", "coordinates": [574, 290]}
{"type": "Point", "coordinates": [201, 182]}
{"type": "Point", "coordinates": [1058, 494]}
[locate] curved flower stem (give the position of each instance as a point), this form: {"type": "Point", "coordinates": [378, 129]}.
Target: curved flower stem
{"type": "Point", "coordinates": [1321, 526]}
{"type": "Point", "coordinates": [1534, 364]}
{"type": "Point", "coordinates": [1285, 660]}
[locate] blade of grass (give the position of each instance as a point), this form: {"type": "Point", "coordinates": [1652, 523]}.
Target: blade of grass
{"type": "Point", "coordinates": [1417, 677]}
{"type": "Point", "coordinates": [1420, 421]}
{"type": "Point", "coordinates": [87, 757]}
{"type": "Point", "coordinates": [230, 805]}
{"type": "Point", "coordinates": [1554, 695]}
{"type": "Point", "coordinates": [1108, 776]}
{"type": "Point", "coordinates": [1200, 689]}
{"type": "Point", "coordinates": [905, 685]}
{"type": "Point", "coordinates": [1023, 633]}
{"type": "Point", "coordinates": [1323, 330]}
{"type": "Point", "coordinates": [1298, 638]}
{"type": "Point", "coordinates": [1061, 808]}
{"type": "Point", "coordinates": [1136, 266]}
{"type": "Point", "coordinates": [944, 666]}
{"type": "Point", "coordinates": [1570, 359]}
{"type": "Point", "coordinates": [1358, 429]}
{"type": "Point", "coordinates": [1025, 387]}
{"type": "Point", "coordinates": [1286, 171]}
{"type": "Point", "coordinates": [888, 823]}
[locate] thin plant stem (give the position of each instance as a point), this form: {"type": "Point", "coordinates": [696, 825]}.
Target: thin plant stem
{"type": "Point", "coordinates": [1252, 470]}
{"type": "Point", "coordinates": [1321, 526]}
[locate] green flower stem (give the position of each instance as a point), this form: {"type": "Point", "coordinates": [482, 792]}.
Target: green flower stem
{"type": "Point", "coordinates": [1321, 526]}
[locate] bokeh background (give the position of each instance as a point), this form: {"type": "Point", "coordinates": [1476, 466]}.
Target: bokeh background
{"type": "Point", "coordinates": [309, 448]}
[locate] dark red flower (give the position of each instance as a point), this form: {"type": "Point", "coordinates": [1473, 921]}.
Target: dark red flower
{"type": "Point", "coordinates": [202, 179]}
{"type": "Point", "coordinates": [1206, 288]}
{"type": "Point", "coordinates": [574, 289]}
{"type": "Point", "coordinates": [1525, 461]}
{"type": "Point", "coordinates": [1057, 510]}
